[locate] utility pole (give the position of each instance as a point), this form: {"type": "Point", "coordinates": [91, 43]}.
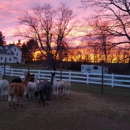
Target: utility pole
{"type": "Point", "coordinates": [102, 75]}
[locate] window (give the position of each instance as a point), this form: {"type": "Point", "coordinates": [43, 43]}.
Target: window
{"type": "Point", "coordinates": [1, 58]}
{"type": "Point", "coordinates": [95, 67]}
{"type": "Point", "coordinates": [16, 54]}
{"type": "Point", "coordinates": [9, 59]}
{"type": "Point", "coordinates": [14, 49]}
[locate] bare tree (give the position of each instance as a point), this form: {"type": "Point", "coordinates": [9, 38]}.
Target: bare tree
{"type": "Point", "coordinates": [50, 28]}
{"type": "Point", "coordinates": [98, 38]}
{"type": "Point", "coordinates": [118, 13]}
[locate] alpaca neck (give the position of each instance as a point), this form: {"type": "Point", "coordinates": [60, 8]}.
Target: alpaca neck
{"type": "Point", "coordinates": [25, 82]}
{"type": "Point", "coordinates": [35, 79]}
{"type": "Point", "coordinates": [52, 78]}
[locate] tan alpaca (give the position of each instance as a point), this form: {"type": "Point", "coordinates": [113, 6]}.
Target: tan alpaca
{"type": "Point", "coordinates": [16, 91]}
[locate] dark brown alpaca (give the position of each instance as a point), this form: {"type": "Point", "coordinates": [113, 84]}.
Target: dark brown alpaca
{"type": "Point", "coordinates": [16, 91]}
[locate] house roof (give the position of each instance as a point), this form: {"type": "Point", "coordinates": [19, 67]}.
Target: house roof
{"type": "Point", "coordinates": [13, 45]}
{"type": "Point", "coordinates": [7, 49]}
{"type": "Point", "coordinates": [4, 50]}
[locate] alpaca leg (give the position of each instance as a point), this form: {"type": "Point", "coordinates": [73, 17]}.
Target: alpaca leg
{"type": "Point", "coordinates": [33, 94]}
{"type": "Point", "coordinates": [18, 101]}
{"type": "Point", "coordinates": [15, 99]}
{"type": "Point", "coordinates": [6, 95]}
{"type": "Point", "coordinates": [57, 93]}
{"type": "Point", "coordinates": [40, 102]}
{"type": "Point", "coordinates": [40, 99]}
{"type": "Point", "coordinates": [61, 93]}
{"type": "Point", "coordinates": [21, 101]}
{"type": "Point", "coordinates": [9, 101]}
{"type": "Point", "coordinates": [48, 98]}
{"type": "Point", "coordinates": [24, 96]}
{"type": "Point", "coordinates": [29, 94]}
{"type": "Point", "coordinates": [9, 105]}
{"type": "Point", "coordinates": [14, 105]}
{"type": "Point", "coordinates": [44, 100]}
{"type": "Point", "coordinates": [68, 92]}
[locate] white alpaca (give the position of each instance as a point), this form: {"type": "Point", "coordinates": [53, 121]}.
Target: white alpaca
{"type": "Point", "coordinates": [31, 88]}
{"type": "Point", "coordinates": [64, 88]}
{"type": "Point", "coordinates": [4, 84]}
{"type": "Point", "coordinates": [55, 88]}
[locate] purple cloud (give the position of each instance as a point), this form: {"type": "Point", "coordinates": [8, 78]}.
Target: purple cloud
{"type": "Point", "coordinates": [10, 10]}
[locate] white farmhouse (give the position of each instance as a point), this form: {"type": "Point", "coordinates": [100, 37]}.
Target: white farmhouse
{"type": "Point", "coordinates": [10, 54]}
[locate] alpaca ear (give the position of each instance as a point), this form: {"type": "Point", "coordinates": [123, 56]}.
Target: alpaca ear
{"type": "Point", "coordinates": [36, 75]}
{"type": "Point", "coordinates": [25, 73]}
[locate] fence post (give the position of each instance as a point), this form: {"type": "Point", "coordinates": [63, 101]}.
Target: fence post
{"type": "Point", "coordinates": [39, 74]}
{"type": "Point", "coordinates": [11, 72]}
{"type": "Point", "coordinates": [112, 80]}
{"type": "Point", "coordinates": [87, 76]}
{"type": "Point", "coordinates": [69, 76]}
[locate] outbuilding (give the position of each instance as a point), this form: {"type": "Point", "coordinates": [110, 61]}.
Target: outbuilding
{"type": "Point", "coordinates": [93, 69]}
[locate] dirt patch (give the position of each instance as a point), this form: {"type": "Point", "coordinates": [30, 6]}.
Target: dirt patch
{"type": "Point", "coordinates": [80, 111]}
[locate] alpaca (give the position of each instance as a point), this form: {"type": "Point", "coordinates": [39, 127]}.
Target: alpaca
{"type": "Point", "coordinates": [55, 89]}
{"type": "Point", "coordinates": [4, 84]}
{"type": "Point", "coordinates": [64, 87]}
{"type": "Point", "coordinates": [44, 91]}
{"type": "Point", "coordinates": [19, 80]}
{"type": "Point", "coordinates": [16, 91]}
{"type": "Point", "coordinates": [31, 88]}
{"type": "Point", "coordinates": [67, 89]}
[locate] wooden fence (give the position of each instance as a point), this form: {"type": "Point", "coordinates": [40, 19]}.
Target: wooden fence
{"type": "Point", "coordinates": [88, 78]}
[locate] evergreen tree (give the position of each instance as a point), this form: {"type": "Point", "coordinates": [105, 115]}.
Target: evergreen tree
{"type": "Point", "coordinates": [2, 39]}
{"type": "Point", "coordinates": [28, 49]}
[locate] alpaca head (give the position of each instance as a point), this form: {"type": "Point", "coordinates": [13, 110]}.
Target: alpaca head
{"type": "Point", "coordinates": [28, 75]}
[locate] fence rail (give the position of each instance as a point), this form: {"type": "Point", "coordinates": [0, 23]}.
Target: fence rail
{"type": "Point", "coordinates": [88, 78]}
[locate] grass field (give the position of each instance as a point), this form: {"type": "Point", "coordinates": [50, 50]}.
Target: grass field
{"type": "Point", "coordinates": [86, 108]}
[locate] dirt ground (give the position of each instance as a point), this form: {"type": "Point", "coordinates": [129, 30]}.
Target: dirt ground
{"type": "Point", "coordinates": [80, 111]}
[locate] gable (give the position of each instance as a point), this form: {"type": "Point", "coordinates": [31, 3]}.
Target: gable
{"type": "Point", "coordinates": [14, 47]}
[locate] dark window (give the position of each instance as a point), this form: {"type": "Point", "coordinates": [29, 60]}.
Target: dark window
{"type": "Point", "coordinates": [95, 67]}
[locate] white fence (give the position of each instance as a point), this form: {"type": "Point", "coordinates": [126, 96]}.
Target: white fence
{"type": "Point", "coordinates": [88, 78]}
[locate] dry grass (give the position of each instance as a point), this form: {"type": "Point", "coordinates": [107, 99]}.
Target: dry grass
{"type": "Point", "coordinates": [81, 111]}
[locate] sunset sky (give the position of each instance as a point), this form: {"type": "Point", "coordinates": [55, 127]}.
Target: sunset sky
{"type": "Point", "coordinates": [10, 10]}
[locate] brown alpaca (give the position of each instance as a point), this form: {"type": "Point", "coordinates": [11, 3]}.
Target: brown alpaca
{"type": "Point", "coordinates": [16, 91]}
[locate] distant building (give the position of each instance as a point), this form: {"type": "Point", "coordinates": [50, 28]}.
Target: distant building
{"type": "Point", "coordinates": [93, 69]}
{"type": "Point", "coordinates": [10, 54]}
